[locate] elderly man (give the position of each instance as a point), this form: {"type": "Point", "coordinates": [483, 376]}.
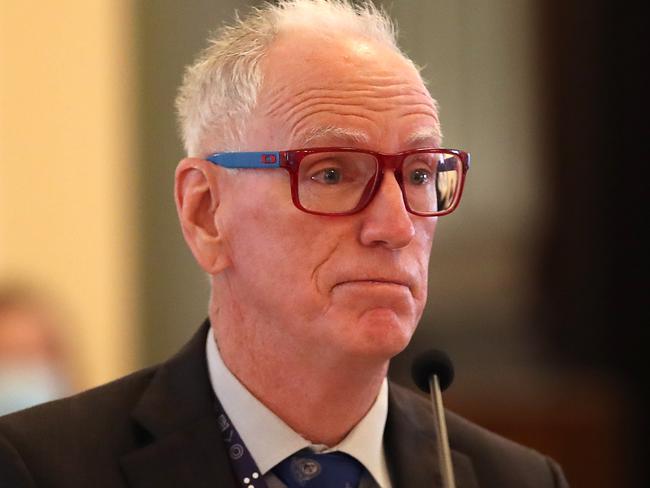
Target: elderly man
{"type": "Point", "coordinates": [310, 195]}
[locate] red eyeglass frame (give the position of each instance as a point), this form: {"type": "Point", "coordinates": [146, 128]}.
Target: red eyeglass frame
{"type": "Point", "coordinates": [290, 161]}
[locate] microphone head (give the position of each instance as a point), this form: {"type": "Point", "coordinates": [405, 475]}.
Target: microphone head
{"type": "Point", "coordinates": [431, 362]}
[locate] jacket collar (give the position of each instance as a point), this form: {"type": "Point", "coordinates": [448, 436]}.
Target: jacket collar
{"type": "Point", "coordinates": [177, 424]}
{"type": "Point", "coordinates": [181, 444]}
{"type": "Point", "coordinates": [411, 446]}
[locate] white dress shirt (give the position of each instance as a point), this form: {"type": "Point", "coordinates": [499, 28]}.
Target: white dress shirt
{"type": "Point", "coordinates": [270, 440]}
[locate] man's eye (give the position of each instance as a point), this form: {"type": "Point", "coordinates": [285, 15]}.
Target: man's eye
{"type": "Point", "coordinates": [329, 176]}
{"type": "Point", "coordinates": [420, 176]}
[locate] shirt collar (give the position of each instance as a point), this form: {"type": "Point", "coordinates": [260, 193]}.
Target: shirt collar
{"type": "Point", "coordinates": [270, 440]}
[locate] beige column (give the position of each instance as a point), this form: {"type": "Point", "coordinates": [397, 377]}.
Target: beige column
{"type": "Point", "coordinates": [67, 169]}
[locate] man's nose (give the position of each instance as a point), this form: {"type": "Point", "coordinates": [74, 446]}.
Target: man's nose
{"type": "Point", "coordinates": [386, 221]}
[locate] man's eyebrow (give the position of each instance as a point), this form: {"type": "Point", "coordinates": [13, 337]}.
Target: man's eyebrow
{"type": "Point", "coordinates": [341, 134]}
{"type": "Point", "coordinates": [424, 136]}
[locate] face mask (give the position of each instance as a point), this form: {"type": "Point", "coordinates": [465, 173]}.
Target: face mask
{"type": "Point", "coordinates": [26, 385]}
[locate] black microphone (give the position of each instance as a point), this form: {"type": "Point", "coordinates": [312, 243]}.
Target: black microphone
{"type": "Point", "coordinates": [432, 372]}
{"type": "Point", "coordinates": [429, 363]}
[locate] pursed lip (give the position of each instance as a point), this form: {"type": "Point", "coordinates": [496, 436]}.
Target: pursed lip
{"type": "Point", "coordinates": [370, 280]}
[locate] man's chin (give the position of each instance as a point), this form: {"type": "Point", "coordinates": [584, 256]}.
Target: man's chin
{"type": "Point", "coordinates": [382, 332]}
{"type": "Point", "coordinates": [381, 318]}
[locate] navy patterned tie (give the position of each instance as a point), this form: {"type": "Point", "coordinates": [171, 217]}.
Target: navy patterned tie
{"type": "Point", "coordinates": [307, 469]}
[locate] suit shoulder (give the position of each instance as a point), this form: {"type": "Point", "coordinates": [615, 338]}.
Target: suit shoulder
{"type": "Point", "coordinates": [85, 415]}
{"type": "Point", "coordinates": [464, 434]}
{"type": "Point", "coordinates": [502, 459]}
{"type": "Point", "coordinates": [494, 457]}
{"type": "Point", "coordinates": [468, 436]}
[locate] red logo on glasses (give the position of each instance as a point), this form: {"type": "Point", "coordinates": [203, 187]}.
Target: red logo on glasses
{"type": "Point", "coordinates": [268, 158]}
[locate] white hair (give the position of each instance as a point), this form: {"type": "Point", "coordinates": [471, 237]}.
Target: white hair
{"type": "Point", "coordinates": [220, 89]}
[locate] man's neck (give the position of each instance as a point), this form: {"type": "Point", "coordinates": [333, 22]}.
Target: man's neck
{"type": "Point", "coordinates": [319, 400]}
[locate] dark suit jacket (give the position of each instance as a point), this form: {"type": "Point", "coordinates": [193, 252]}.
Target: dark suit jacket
{"type": "Point", "coordinates": [157, 428]}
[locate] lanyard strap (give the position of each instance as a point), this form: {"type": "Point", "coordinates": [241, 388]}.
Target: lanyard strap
{"type": "Point", "coordinates": [243, 465]}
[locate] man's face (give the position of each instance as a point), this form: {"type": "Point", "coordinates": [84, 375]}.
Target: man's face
{"type": "Point", "coordinates": [330, 285]}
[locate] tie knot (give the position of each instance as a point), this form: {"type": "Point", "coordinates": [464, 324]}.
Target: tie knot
{"type": "Point", "coordinates": [307, 469]}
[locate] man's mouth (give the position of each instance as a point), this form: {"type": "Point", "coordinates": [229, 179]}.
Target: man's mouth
{"type": "Point", "coordinates": [374, 282]}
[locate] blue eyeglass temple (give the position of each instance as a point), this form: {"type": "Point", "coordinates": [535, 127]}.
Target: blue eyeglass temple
{"type": "Point", "coordinates": [246, 159]}
{"type": "Point", "coordinates": [272, 160]}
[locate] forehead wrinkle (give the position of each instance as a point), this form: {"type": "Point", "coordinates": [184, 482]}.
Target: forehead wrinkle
{"type": "Point", "coordinates": [276, 97]}
{"type": "Point", "coordinates": [293, 117]}
{"type": "Point", "coordinates": [338, 101]}
{"type": "Point", "coordinates": [338, 110]}
{"type": "Point", "coordinates": [301, 131]}
{"type": "Point", "coordinates": [350, 97]}
{"type": "Point", "coordinates": [370, 101]}
{"type": "Point", "coordinates": [279, 97]}
{"type": "Point", "coordinates": [362, 85]}
{"type": "Point", "coordinates": [359, 109]}
{"type": "Point", "coordinates": [300, 120]}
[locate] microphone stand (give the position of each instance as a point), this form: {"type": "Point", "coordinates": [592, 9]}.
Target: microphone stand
{"type": "Point", "coordinates": [446, 469]}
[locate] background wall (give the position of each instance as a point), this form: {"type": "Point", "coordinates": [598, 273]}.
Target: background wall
{"type": "Point", "coordinates": [526, 293]}
{"type": "Point", "coordinates": [68, 172]}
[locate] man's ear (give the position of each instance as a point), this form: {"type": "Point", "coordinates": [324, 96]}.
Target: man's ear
{"type": "Point", "coordinates": [197, 195]}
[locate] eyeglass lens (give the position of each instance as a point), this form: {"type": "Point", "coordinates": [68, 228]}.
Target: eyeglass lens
{"type": "Point", "coordinates": [336, 182]}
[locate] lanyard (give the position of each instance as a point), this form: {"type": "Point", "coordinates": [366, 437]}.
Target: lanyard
{"type": "Point", "coordinates": [246, 471]}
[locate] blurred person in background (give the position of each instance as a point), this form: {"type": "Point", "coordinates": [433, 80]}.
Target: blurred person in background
{"type": "Point", "coordinates": [33, 368]}
{"type": "Point", "coordinates": [310, 194]}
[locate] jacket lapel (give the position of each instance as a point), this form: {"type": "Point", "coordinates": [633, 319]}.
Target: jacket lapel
{"type": "Point", "coordinates": [176, 423]}
{"type": "Point", "coordinates": [410, 443]}
{"type": "Point", "coordinates": [180, 444]}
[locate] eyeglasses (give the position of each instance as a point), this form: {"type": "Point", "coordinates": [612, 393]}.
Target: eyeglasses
{"type": "Point", "coordinates": [343, 181]}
